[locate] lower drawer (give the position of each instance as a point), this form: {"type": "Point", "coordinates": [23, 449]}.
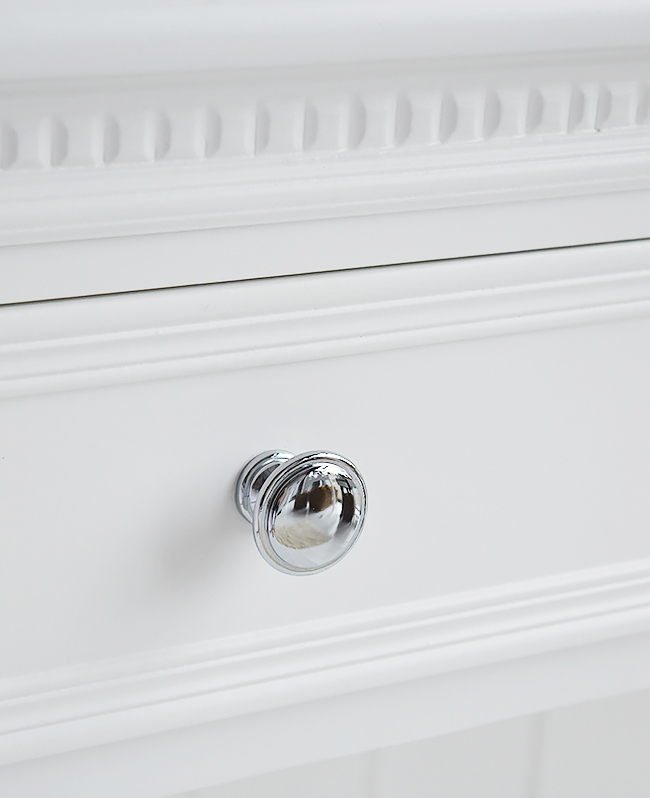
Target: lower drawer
{"type": "Point", "coordinates": [498, 411]}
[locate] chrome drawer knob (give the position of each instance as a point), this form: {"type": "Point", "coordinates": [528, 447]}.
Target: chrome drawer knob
{"type": "Point", "coordinates": [307, 510]}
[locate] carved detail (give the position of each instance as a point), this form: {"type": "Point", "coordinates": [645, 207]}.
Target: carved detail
{"type": "Point", "coordinates": [109, 126]}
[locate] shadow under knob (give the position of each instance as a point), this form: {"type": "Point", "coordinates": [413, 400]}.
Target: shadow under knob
{"type": "Point", "coordinates": [307, 510]}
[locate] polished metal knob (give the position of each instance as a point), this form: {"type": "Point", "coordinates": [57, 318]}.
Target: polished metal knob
{"type": "Point", "coordinates": [307, 510]}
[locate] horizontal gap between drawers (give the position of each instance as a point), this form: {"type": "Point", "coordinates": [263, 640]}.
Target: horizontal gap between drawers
{"type": "Point", "coordinates": [127, 338]}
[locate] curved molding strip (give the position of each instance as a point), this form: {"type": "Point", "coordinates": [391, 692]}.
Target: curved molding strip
{"type": "Point", "coordinates": [87, 158]}
{"type": "Point", "coordinates": [126, 338]}
{"type": "Point", "coordinates": [49, 713]}
{"type": "Point", "coordinates": [140, 36]}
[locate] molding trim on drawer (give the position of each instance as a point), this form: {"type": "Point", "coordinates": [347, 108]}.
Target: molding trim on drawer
{"type": "Point", "coordinates": [86, 158]}
{"type": "Point", "coordinates": [125, 338]}
{"type": "Point", "coordinates": [49, 713]}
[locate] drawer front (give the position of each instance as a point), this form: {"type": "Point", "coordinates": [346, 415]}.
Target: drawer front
{"type": "Point", "coordinates": [497, 409]}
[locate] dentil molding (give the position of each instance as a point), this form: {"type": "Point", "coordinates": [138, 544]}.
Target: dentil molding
{"type": "Point", "coordinates": [161, 143]}
{"type": "Point", "coordinates": [222, 118]}
{"type": "Point", "coordinates": [91, 157]}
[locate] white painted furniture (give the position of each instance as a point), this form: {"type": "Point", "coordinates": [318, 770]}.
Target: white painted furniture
{"type": "Point", "coordinates": [486, 372]}
{"type": "Point", "coordinates": [592, 750]}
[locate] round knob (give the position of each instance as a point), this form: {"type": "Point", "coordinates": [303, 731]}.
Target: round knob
{"type": "Point", "coordinates": [307, 510]}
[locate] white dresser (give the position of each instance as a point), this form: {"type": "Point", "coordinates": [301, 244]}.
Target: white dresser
{"type": "Point", "coordinates": [413, 236]}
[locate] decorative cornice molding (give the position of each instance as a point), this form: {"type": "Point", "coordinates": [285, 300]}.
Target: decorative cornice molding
{"type": "Point", "coordinates": [48, 713]}
{"type": "Point", "coordinates": [136, 337]}
{"type": "Point", "coordinates": [87, 158]}
{"type": "Point", "coordinates": [210, 118]}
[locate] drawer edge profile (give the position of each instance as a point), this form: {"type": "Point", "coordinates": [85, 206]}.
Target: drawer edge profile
{"type": "Point", "coordinates": [129, 338]}
{"type": "Point", "coordinates": [411, 648]}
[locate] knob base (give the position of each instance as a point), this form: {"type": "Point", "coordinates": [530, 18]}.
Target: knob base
{"type": "Point", "coordinates": [253, 475]}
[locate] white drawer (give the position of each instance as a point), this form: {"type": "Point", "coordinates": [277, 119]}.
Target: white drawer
{"type": "Point", "coordinates": [497, 409]}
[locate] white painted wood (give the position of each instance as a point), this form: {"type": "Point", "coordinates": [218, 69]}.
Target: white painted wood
{"type": "Point", "coordinates": [348, 777]}
{"type": "Point", "coordinates": [494, 761]}
{"type": "Point", "coordinates": [139, 337]}
{"type": "Point", "coordinates": [275, 171]}
{"type": "Point", "coordinates": [122, 37]}
{"type": "Point", "coordinates": [381, 123]}
{"type": "Point", "coordinates": [140, 262]}
{"type": "Point", "coordinates": [198, 756]}
{"type": "Point", "coordinates": [69, 708]}
{"type": "Point", "coordinates": [597, 750]}
{"type": "Point", "coordinates": [512, 579]}
{"type": "Point", "coordinates": [490, 761]}
{"type": "Point", "coordinates": [497, 407]}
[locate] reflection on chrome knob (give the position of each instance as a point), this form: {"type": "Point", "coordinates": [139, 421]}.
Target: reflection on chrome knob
{"type": "Point", "coordinates": [307, 510]}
